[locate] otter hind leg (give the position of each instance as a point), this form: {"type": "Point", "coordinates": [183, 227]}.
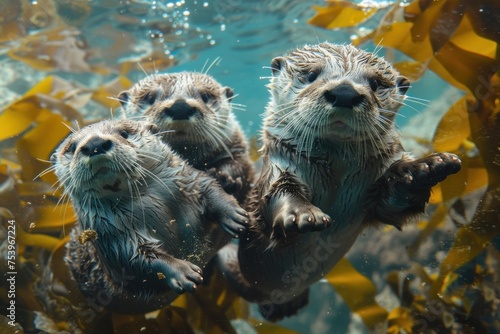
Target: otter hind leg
{"type": "Point", "coordinates": [229, 265]}
{"type": "Point", "coordinates": [181, 276]}
{"type": "Point", "coordinates": [227, 262]}
{"type": "Point", "coordinates": [405, 187]}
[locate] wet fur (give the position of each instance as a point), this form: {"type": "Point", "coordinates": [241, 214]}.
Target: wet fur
{"type": "Point", "coordinates": [157, 219]}
{"type": "Point", "coordinates": [328, 172]}
{"type": "Point", "coordinates": [210, 138]}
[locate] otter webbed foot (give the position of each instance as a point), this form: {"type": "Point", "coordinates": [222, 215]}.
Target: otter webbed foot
{"type": "Point", "coordinates": [405, 187]}
{"type": "Point", "coordinates": [422, 174]}
{"type": "Point", "coordinates": [410, 182]}
{"type": "Point", "coordinates": [181, 276]}
{"type": "Point", "coordinates": [293, 214]}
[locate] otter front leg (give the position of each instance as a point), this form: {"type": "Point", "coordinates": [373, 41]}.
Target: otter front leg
{"type": "Point", "coordinates": [224, 209]}
{"type": "Point", "coordinates": [288, 208]}
{"type": "Point", "coordinates": [229, 175]}
{"type": "Point", "coordinates": [405, 187]}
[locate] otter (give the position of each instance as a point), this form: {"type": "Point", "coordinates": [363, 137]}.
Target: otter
{"type": "Point", "coordinates": [333, 164]}
{"type": "Point", "coordinates": [194, 112]}
{"type": "Point", "coordinates": [147, 221]}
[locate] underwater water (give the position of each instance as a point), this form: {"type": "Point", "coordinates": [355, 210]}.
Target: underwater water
{"type": "Point", "coordinates": [67, 61]}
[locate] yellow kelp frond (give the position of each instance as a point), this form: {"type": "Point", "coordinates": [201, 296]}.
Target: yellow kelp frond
{"type": "Point", "coordinates": [341, 14]}
{"type": "Point", "coordinates": [357, 291]}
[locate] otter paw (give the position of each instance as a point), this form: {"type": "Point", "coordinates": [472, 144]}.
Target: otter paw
{"type": "Point", "coordinates": [302, 218]}
{"type": "Point", "coordinates": [227, 182]}
{"type": "Point", "coordinates": [181, 276]}
{"type": "Point", "coordinates": [426, 172]}
{"type": "Point", "coordinates": [235, 222]}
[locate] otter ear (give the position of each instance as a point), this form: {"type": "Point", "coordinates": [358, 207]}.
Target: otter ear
{"type": "Point", "coordinates": [151, 127]}
{"type": "Point", "coordinates": [277, 64]}
{"type": "Point", "coordinates": [402, 84]}
{"type": "Point", "coordinates": [228, 91]}
{"type": "Point", "coordinates": [123, 98]}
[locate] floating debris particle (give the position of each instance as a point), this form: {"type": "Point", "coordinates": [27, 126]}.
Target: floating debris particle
{"type": "Point", "coordinates": [87, 235]}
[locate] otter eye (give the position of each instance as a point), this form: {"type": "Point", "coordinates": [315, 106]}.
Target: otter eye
{"type": "Point", "coordinates": [149, 98]}
{"type": "Point", "coordinates": [373, 84]}
{"type": "Point", "coordinates": [124, 134]}
{"type": "Point", "coordinates": [206, 97]}
{"type": "Point", "coordinates": [72, 148]}
{"type": "Point", "coordinates": [311, 76]}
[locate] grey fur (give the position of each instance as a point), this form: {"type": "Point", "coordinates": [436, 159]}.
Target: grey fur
{"type": "Point", "coordinates": [157, 219]}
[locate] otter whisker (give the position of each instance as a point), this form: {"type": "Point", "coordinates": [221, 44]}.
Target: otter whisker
{"type": "Point", "coordinates": [150, 157]}
{"type": "Point", "coordinates": [139, 169]}
{"type": "Point", "coordinates": [216, 62]}
{"type": "Point", "coordinates": [137, 118]}
{"type": "Point", "coordinates": [285, 117]}
{"type": "Point", "coordinates": [238, 108]}
{"type": "Point", "coordinates": [383, 120]}
{"type": "Point", "coordinates": [217, 135]}
{"type": "Point", "coordinates": [416, 102]}
{"type": "Point", "coordinates": [69, 127]}
{"type": "Point", "coordinates": [161, 133]}
{"type": "Point", "coordinates": [139, 197]}
{"type": "Point", "coordinates": [142, 69]}
{"type": "Point", "coordinates": [238, 104]}
{"type": "Point", "coordinates": [117, 99]}
{"type": "Point", "coordinates": [45, 172]}
{"type": "Point", "coordinates": [157, 179]}
{"type": "Point", "coordinates": [413, 98]}
{"type": "Point", "coordinates": [411, 107]}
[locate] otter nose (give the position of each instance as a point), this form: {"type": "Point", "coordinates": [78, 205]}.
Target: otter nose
{"type": "Point", "coordinates": [180, 110]}
{"type": "Point", "coordinates": [343, 96]}
{"type": "Point", "coordinates": [95, 146]}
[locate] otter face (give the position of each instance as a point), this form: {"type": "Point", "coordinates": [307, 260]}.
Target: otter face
{"type": "Point", "coordinates": [106, 158]}
{"type": "Point", "coordinates": [190, 106]}
{"type": "Point", "coordinates": [334, 92]}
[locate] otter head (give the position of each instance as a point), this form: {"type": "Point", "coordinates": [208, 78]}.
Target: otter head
{"type": "Point", "coordinates": [186, 106]}
{"type": "Point", "coordinates": [333, 92]}
{"type": "Point", "coordinates": [105, 159]}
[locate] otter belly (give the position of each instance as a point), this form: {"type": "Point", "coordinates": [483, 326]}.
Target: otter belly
{"type": "Point", "coordinates": [285, 272]}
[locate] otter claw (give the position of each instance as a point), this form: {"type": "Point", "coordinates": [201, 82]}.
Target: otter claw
{"type": "Point", "coordinates": [181, 276]}
{"type": "Point", "coordinates": [426, 172]}
{"type": "Point", "coordinates": [302, 219]}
